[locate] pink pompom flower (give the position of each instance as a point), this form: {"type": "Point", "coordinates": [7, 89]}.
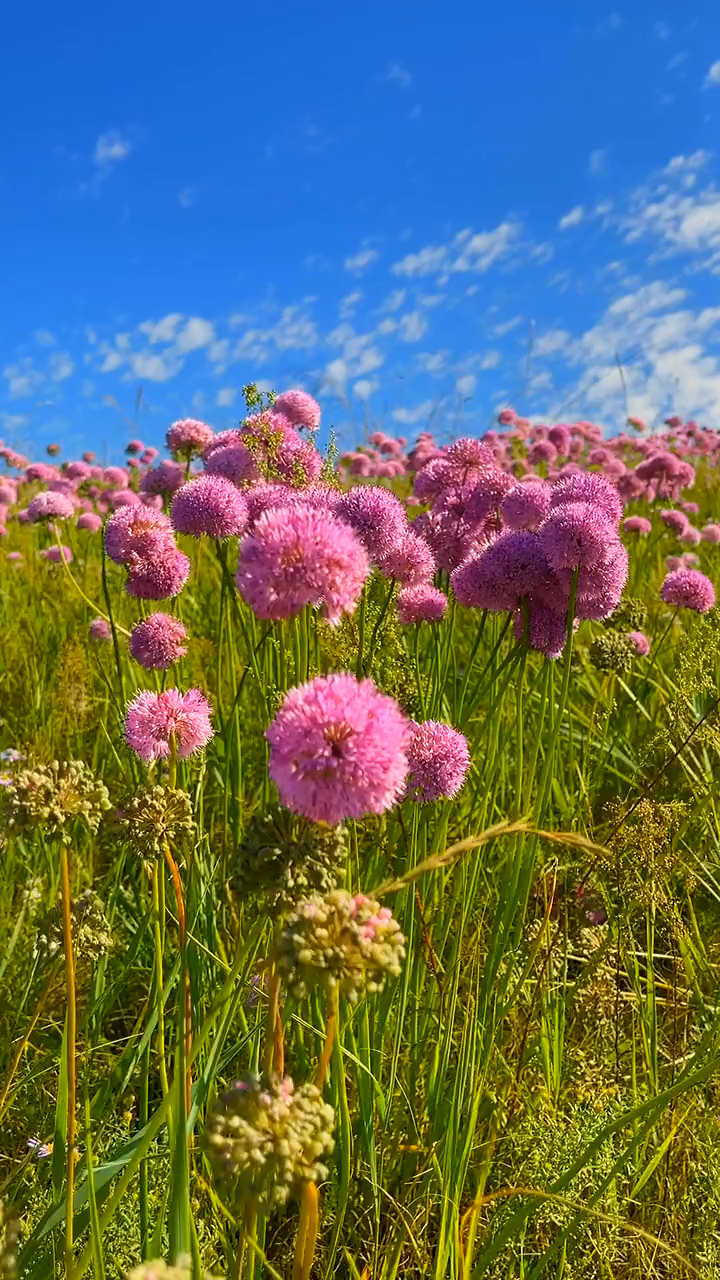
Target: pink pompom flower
{"type": "Point", "coordinates": [575, 536]}
{"type": "Point", "coordinates": [89, 521]}
{"type": "Point", "coordinates": [641, 642]}
{"type": "Point", "coordinates": [157, 641]}
{"type": "Point", "coordinates": [637, 524]}
{"type": "Point", "coordinates": [710, 533]}
{"type": "Point", "coordinates": [233, 461]}
{"type": "Point", "coordinates": [410, 562]}
{"type": "Point", "coordinates": [377, 517]}
{"type": "Point", "coordinates": [297, 556]}
{"type": "Point", "coordinates": [676, 521]}
{"type": "Point", "coordinates": [338, 749]}
{"type": "Point", "coordinates": [163, 479]}
{"type": "Point", "coordinates": [100, 630]}
{"type": "Point", "coordinates": [300, 408]}
{"type": "Point", "coordinates": [50, 506]}
{"type": "Point", "coordinates": [527, 504]}
{"type": "Point", "coordinates": [421, 603]}
{"type": "Point", "coordinates": [688, 589]}
{"type": "Point", "coordinates": [210, 505]}
{"type": "Point", "coordinates": [438, 761]}
{"type": "Point", "coordinates": [158, 578]}
{"type": "Point", "coordinates": [140, 531]}
{"type": "Point", "coordinates": [188, 436]}
{"type": "Point", "coordinates": [56, 555]}
{"type": "Point", "coordinates": [155, 722]}
{"type": "Point", "coordinates": [591, 488]}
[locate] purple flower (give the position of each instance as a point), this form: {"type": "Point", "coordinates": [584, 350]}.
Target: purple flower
{"type": "Point", "coordinates": [677, 521]}
{"type": "Point", "coordinates": [545, 629]}
{"type": "Point", "coordinates": [637, 524]}
{"type": "Point", "coordinates": [575, 536]}
{"type": "Point", "coordinates": [154, 721]}
{"type": "Point", "coordinates": [159, 578]}
{"type": "Point", "coordinates": [526, 505]}
{"type": "Point", "coordinates": [137, 531]}
{"type": "Point", "coordinates": [512, 568]}
{"type": "Point", "coordinates": [57, 554]}
{"type": "Point", "coordinates": [438, 761]}
{"type": "Point", "coordinates": [410, 561]}
{"type": "Point", "coordinates": [487, 494]}
{"type": "Point", "coordinates": [50, 506]}
{"type": "Point", "coordinates": [299, 408]}
{"type": "Point", "coordinates": [100, 630]}
{"type": "Point", "coordinates": [338, 749]}
{"type": "Point", "coordinates": [157, 641]}
{"type": "Point", "coordinates": [211, 505]}
{"type": "Point", "coordinates": [377, 517]}
{"type": "Point", "coordinates": [188, 437]}
{"type": "Point", "coordinates": [641, 642]}
{"type": "Point", "coordinates": [589, 487]}
{"type": "Point", "coordinates": [710, 533]}
{"type": "Point", "coordinates": [688, 589]}
{"type": "Point", "coordinates": [163, 479]}
{"type": "Point", "coordinates": [233, 461]}
{"type": "Point", "coordinates": [420, 603]}
{"type": "Point", "coordinates": [89, 521]}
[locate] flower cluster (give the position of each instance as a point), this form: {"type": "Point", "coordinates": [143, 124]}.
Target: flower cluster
{"type": "Point", "coordinates": [156, 722]}
{"type": "Point", "coordinates": [55, 796]}
{"type": "Point", "coordinates": [339, 941]}
{"type": "Point", "coordinates": [155, 817]}
{"type": "Point", "coordinates": [283, 858]}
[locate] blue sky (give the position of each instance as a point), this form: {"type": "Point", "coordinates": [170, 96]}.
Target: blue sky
{"type": "Point", "coordinates": [419, 212]}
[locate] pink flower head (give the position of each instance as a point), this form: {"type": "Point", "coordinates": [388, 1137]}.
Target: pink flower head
{"type": "Point", "coordinates": [158, 578]}
{"type": "Point", "coordinates": [544, 630]}
{"type": "Point", "coordinates": [450, 537]}
{"type": "Point", "coordinates": [575, 535]}
{"type": "Point", "coordinates": [99, 629]}
{"type": "Point", "coordinates": [211, 505]}
{"type": "Point", "coordinates": [117, 476]}
{"type": "Point", "coordinates": [50, 506]}
{"type": "Point", "coordinates": [233, 461]}
{"type": "Point", "coordinates": [296, 462]}
{"type": "Point", "coordinates": [188, 437]}
{"type": "Point", "coordinates": [559, 435]}
{"type": "Point", "coordinates": [600, 586]}
{"type": "Point", "coordinates": [420, 603]}
{"type": "Point", "coordinates": [297, 556]}
{"type": "Point", "coordinates": [688, 589]}
{"type": "Point", "coordinates": [526, 504]}
{"type": "Point", "coordinates": [641, 642]}
{"type": "Point", "coordinates": [157, 642]}
{"type": "Point", "coordinates": [139, 531]}
{"type": "Point", "coordinates": [123, 498]}
{"type": "Point", "coordinates": [488, 493]}
{"type": "Point", "coordinates": [637, 524]}
{"type": "Point", "coordinates": [134, 446]}
{"type": "Point", "coordinates": [677, 521]}
{"type": "Point", "coordinates": [506, 417]}
{"type": "Point", "coordinates": [411, 561]}
{"type": "Point", "coordinates": [512, 568]}
{"type": "Point", "coordinates": [690, 508]}
{"type": "Point", "coordinates": [591, 488]}
{"type": "Point", "coordinates": [154, 721]}
{"type": "Point", "coordinates": [470, 453]}
{"type": "Point", "coordinates": [89, 521]}
{"type": "Point", "coordinates": [690, 535]}
{"type": "Point", "coordinates": [15, 556]}
{"type": "Point", "coordinates": [438, 761]}
{"type": "Point", "coordinates": [338, 749]}
{"type": "Point", "coordinates": [56, 555]}
{"type": "Point", "coordinates": [299, 408]}
{"type": "Point", "coordinates": [542, 451]}
{"type": "Point", "coordinates": [710, 533]}
{"type": "Point", "coordinates": [163, 479]}
{"type": "Point", "coordinates": [77, 471]}
{"type": "Point", "coordinates": [376, 516]}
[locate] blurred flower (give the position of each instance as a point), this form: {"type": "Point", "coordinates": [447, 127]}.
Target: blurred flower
{"type": "Point", "coordinates": [50, 506]}
{"type": "Point", "coordinates": [299, 408]}
{"type": "Point", "coordinates": [421, 603]}
{"type": "Point", "coordinates": [641, 643]}
{"type": "Point", "coordinates": [57, 554]}
{"type": "Point", "coordinates": [637, 524]}
{"type": "Point", "coordinates": [377, 517]}
{"type": "Point", "coordinates": [55, 796]}
{"type": "Point", "coordinates": [688, 589]}
{"type": "Point", "coordinates": [99, 629]}
{"type": "Point", "coordinates": [188, 437]}
{"type": "Point", "coordinates": [157, 641]}
{"type": "Point", "coordinates": [339, 941]}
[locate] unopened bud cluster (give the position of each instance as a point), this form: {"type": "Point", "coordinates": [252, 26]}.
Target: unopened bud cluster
{"type": "Point", "coordinates": [92, 935]}
{"type": "Point", "coordinates": [285, 858]}
{"type": "Point", "coordinates": [266, 1138]}
{"type": "Point", "coordinates": [339, 941]}
{"type": "Point", "coordinates": [156, 816]}
{"type": "Point", "coordinates": [55, 796]}
{"type": "Point", "coordinates": [612, 651]}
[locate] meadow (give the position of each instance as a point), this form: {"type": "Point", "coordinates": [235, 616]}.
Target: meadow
{"type": "Point", "coordinates": [360, 907]}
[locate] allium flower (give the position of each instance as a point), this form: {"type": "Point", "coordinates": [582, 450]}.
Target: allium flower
{"type": "Point", "coordinates": [421, 603]}
{"type": "Point", "coordinates": [688, 589]}
{"type": "Point", "coordinates": [134, 446]}
{"type": "Point", "coordinates": [160, 578]}
{"type": "Point", "coordinates": [211, 505]}
{"type": "Point", "coordinates": [542, 451]}
{"type": "Point", "coordinates": [377, 517]}
{"type": "Point", "coordinates": [677, 521]}
{"type": "Point", "coordinates": [591, 488]}
{"type": "Point", "coordinates": [15, 556]}
{"type": "Point", "coordinates": [116, 475]}
{"type": "Point", "coordinates": [155, 720]}
{"type": "Point", "coordinates": [299, 408]}
{"type": "Point", "coordinates": [265, 1139]}
{"type": "Point", "coordinates": [438, 761]}
{"type": "Point", "coordinates": [690, 535]}
{"type": "Point", "coordinates": [155, 817]}
{"type": "Point", "coordinates": [56, 555]}
{"type": "Point", "coordinates": [600, 587]}
{"type": "Point", "coordinates": [487, 494]}
{"type": "Point", "coordinates": [637, 524]}
{"type": "Point", "coordinates": [526, 505]}
{"type": "Point", "coordinates": [511, 569]}
{"type": "Point", "coordinates": [410, 561]}
{"type": "Point", "coordinates": [575, 535]}
{"type": "Point", "coordinates": [710, 533]}
{"type": "Point", "coordinates": [468, 452]}
{"type": "Point", "coordinates": [188, 437]}
{"type": "Point", "coordinates": [89, 521]}
{"type": "Point", "coordinates": [50, 506]}
{"type": "Point", "coordinates": [157, 642]}
{"type": "Point", "coordinates": [339, 941]}
{"type": "Point", "coordinates": [139, 531]}
{"type": "Point", "coordinates": [124, 498]}
{"type": "Point", "coordinates": [298, 556]}
{"type": "Point", "coordinates": [92, 932]}
{"type": "Point", "coordinates": [641, 643]}
{"type": "Point", "coordinates": [338, 749]}
{"type": "Point", "coordinates": [284, 858]}
{"type": "Point", "coordinates": [55, 796]}
{"type": "Point", "coordinates": [544, 630]}
{"type": "Point", "coordinates": [613, 651]}
{"type": "Point", "coordinates": [233, 461]}
{"type": "Point", "coordinates": [450, 537]}
{"type": "Point", "coordinates": [99, 629]}
{"type": "Point", "coordinates": [163, 479]}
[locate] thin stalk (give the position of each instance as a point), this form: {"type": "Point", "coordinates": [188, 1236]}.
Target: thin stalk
{"type": "Point", "coordinates": [71, 1076]}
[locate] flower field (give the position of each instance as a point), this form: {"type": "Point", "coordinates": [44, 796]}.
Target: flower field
{"type": "Point", "coordinates": [360, 913]}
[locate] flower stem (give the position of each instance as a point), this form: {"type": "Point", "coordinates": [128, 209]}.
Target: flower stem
{"type": "Point", "coordinates": [71, 1079]}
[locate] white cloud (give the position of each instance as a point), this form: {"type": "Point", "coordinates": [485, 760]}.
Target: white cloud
{"type": "Point", "coordinates": [597, 160]}
{"type": "Point", "coordinates": [432, 361]}
{"type": "Point", "coordinates": [572, 219]}
{"type": "Point", "coordinates": [683, 220]}
{"type": "Point", "coordinates": [418, 414]}
{"type": "Point", "coordinates": [468, 251]}
{"type": "Point", "coordinates": [196, 333]}
{"type": "Point", "coordinates": [713, 76]}
{"type": "Point", "coordinates": [507, 326]}
{"type": "Point", "coordinates": [225, 397]}
{"type": "Point", "coordinates": [62, 366]}
{"type": "Point", "coordinates": [466, 385]}
{"type": "Point", "coordinates": [349, 303]}
{"type": "Point", "coordinates": [398, 74]}
{"type": "Point", "coordinates": [154, 368]}
{"type": "Point", "coordinates": [44, 338]}
{"type": "Point", "coordinates": [161, 330]}
{"type": "Point", "coordinates": [187, 197]}
{"type": "Point", "coordinates": [490, 360]}
{"type": "Point", "coordinates": [110, 148]}
{"type": "Point", "coordinates": [426, 262]}
{"type": "Point", "coordinates": [412, 326]}
{"type": "Point", "coordinates": [394, 300]}
{"type": "Point", "coordinates": [23, 379]}
{"type": "Point", "coordinates": [364, 388]}
{"type": "Point", "coordinates": [550, 343]}
{"type": "Point", "coordinates": [359, 261]}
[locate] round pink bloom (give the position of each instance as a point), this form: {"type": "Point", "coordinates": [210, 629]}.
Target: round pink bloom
{"type": "Point", "coordinates": [420, 603]}
{"type": "Point", "coordinates": [677, 521]}
{"type": "Point", "coordinates": [296, 462]}
{"type": "Point", "coordinates": [211, 505]}
{"type": "Point", "coordinates": [89, 521]}
{"type": "Point", "coordinates": [575, 535]}
{"type": "Point", "coordinates": [57, 554]}
{"type": "Point", "coordinates": [155, 720]}
{"type": "Point", "coordinates": [690, 508]}
{"type": "Point", "coordinates": [487, 494]}
{"type": "Point", "coordinates": [222, 440]}
{"type": "Point", "coordinates": [526, 505]}
{"type": "Point", "coordinates": [338, 749]}
{"type": "Point", "coordinates": [297, 556]}
{"type": "Point", "coordinates": [450, 537]}
{"type": "Point", "coordinates": [99, 629]}
{"type": "Point", "coordinates": [159, 578]}
{"type": "Point", "coordinates": [637, 524]}
{"type": "Point", "coordinates": [438, 761]}
{"type": "Point", "coordinates": [138, 531]}
{"type": "Point", "coordinates": [157, 641]}
{"type": "Point", "coordinates": [377, 517]}
{"type": "Point", "coordinates": [688, 589]}
{"type": "Point", "coordinates": [591, 488]}
{"type": "Point", "coordinates": [469, 452]}
{"type": "Point", "coordinates": [233, 461]}
{"type": "Point", "coordinates": [15, 556]}
{"type": "Point", "coordinates": [542, 451]}
{"type": "Point", "coordinates": [134, 446]}
{"type": "Point", "coordinates": [188, 436]}
{"type": "Point", "coordinates": [559, 435]}
{"type": "Point", "coordinates": [50, 506]}
{"type": "Point", "coordinates": [299, 408]}
{"type": "Point", "coordinates": [690, 535]}
{"type": "Point", "coordinates": [710, 533]}
{"type": "Point", "coordinates": [512, 568]}
{"type": "Point", "coordinates": [116, 476]}
{"type": "Point", "coordinates": [410, 562]}
{"type": "Point", "coordinates": [545, 631]}
{"type": "Point", "coordinates": [600, 586]}
{"type": "Point", "coordinates": [123, 498]}
{"type": "Point", "coordinates": [77, 471]}
{"type": "Point", "coordinates": [163, 479]}
{"type": "Point", "coordinates": [506, 417]}
{"type": "Point", "coordinates": [641, 642]}
{"type": "Point", "coordinates": [8, 492]}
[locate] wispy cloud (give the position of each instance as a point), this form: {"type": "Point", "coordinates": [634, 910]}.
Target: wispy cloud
{"type": "Point", "coordinates": [597, 161]}
{"type": "Point", "coordinates": [111, 148]}
{"type": "Point", "coordinates": [398, 74]}
{"type": "Point", "coordinates": [360, 261]}
{"type": "Point", "coordinates": [187, 197]}
{"type": "Point", "coordinates": [712, 78]}
{"type": "Point", "coordinates": [572, 219]}
{"type": "Point", "coordinates": [468, 251]}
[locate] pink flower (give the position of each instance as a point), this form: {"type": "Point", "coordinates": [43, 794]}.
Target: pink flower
{"type": "Point", "coordinates": [297, 556]}
{"type": "Point", "coordinates": [690, 535]}
{"type": "Point", "coordinates": [157, 642]}
{"type": "Point", "coordinates": [155, 721]}
{"type": "Point", "coordinates": [50, 506]}
{"type": "Point", "coordinates": [710, 533]}
{"type": "Point", "coordinates": [575, 535]}
{"type": "Point", "coordinates": [688, 589]}
{"type": "Point", "coordinates": [591, 488]}
{"type": "Point", "coordinates": [542, 451]}
{"type": "Point", "coordinates": [299, 408]}
{"type": "Point", "coordinates": [15, 556]}
{"type": "Point", "coordinates": [158, 578]}
{"type": "Point", "coordinates": [546, 630]}
{"type": "Point", "coordinates": [123, 498]}
{"type": "Point", "coordinates": [506, 417]}
{"type": "Point", "coordinates": [505, 572]}
{"type": "Point", "coordinates": [488, 493]}
{"type": "Point", "coordinates": [677, 521]}
{"type": "Point", "coordinates": [438, 761]}
{"type": "Point", "coordinates": [420, 603]}
{"type": "Point", "coordinates": [57, 554]}
{"type": "Point", "coordinates": [211, 505]}
{"type": "Point", "coordinates": [116, 476]}
{"type": "Point", "coordinates": [100, 630]}
{"type": "Point", "coordinates": [377, 517]}
{"type": "Point", "coordinates": [163, 479]}
{"type": "Point", "coordinates": [637, 524]}
{"type": "Point", "coordinates": [77, 471]}
{"type": "Point", "coordinates": [233, 461]}
{"type": "Point", "coordinates": [641, 642]}
{"type": "Point", "coordinates": [527, 504]}
{"type": "Point", "coordinates": [338, 749]}
{"type": "Point", "coordinates": [89, 521]}
{"type": "Point", "coordinates": [139, 531]}
{"type": "Point", "coordinates": [411, 561]}
{"type": "Point", "coordinates": [134, 446]}
{"type": "Point", "coordinates": [188, 437]}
